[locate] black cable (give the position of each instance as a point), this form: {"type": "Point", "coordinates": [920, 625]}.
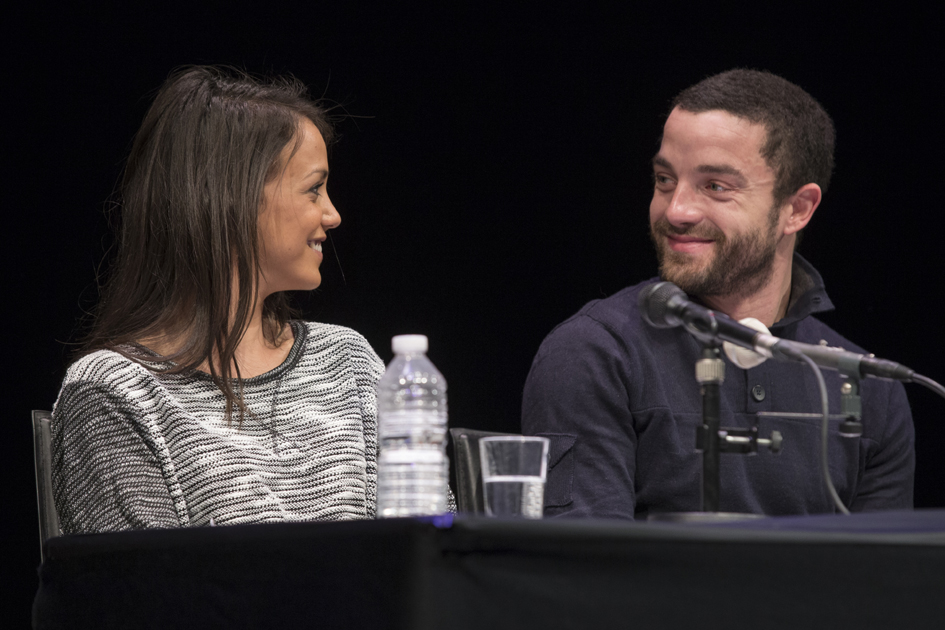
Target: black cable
{"type": "Point", "coordinates": [927, 382]}
{"type": "Point", "coordinates": [824, 431]}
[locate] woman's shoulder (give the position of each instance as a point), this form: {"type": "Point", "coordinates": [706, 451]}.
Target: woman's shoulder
{"type": "Point", "coordinates": [320, 334]}
{"type": "Point", "coordinates": [106, 365]}
{"type": "Point", "coordinates": [104, 378]}
{"type": "Point", "coordinates": [333, 339]}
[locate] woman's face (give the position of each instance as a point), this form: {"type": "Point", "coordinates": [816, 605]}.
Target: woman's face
{"type": "Point", "coordinates": [295, 216]}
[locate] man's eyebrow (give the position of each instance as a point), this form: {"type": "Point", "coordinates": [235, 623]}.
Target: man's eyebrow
{"type": "Point", "coordinates": [661, 161]}
{"type": "Point", "coordinates": [720, 169]}
{"type": "Point", "coordinates": [710, 169]}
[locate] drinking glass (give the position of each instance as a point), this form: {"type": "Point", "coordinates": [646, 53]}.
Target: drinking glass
{"type": "Point", "coordinates": [514, 469]}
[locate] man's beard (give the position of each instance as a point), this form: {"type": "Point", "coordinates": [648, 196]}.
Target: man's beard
{"type": "Point", "coordinates": [741, 266]}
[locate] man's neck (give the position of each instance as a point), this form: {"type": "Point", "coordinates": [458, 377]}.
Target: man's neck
{"type": "Point", "coordinates": [769, 304]}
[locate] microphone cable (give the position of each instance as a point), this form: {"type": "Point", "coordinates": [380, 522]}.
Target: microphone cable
{"type": "Point", "coordinates": [664, 305]}
{"type": "Point", "coordinates": [825, 424]}
{"type": "Point", "coordinates": [824, 431]}
{"type": "Point", "coordinates": [929, 383]}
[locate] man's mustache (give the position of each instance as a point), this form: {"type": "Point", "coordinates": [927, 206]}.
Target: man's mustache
{"type": "Point", "coordinates": [662, 227]}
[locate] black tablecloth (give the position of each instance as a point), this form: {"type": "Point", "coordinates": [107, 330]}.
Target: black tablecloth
{"type": "Point", "coordinates": [882, 570]}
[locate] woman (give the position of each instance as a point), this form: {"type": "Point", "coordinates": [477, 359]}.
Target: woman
{"type": "Point", "coordinates": [197, 400]}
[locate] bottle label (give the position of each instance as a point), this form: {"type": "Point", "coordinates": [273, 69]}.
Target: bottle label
{"type": "Point", "coordinates": [412, 456]}
{"type": "Point", "coordinates": [411, 428]}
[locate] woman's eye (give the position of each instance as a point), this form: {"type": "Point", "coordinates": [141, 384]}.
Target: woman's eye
{"type": "Point", "coordinates": [316, 189]}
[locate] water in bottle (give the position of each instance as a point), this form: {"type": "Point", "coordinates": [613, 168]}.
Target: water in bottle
{"type": "Point", "coordinates": [413, 469]}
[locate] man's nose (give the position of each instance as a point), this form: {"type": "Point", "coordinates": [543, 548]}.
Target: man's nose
{"type": "Point", "coordinates": [684, 207]}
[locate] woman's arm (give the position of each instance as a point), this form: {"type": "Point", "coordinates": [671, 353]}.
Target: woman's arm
{"type": "Point", "coordinates": [368, 369]}
{"type": "Point", "coordinates": [107, 474]}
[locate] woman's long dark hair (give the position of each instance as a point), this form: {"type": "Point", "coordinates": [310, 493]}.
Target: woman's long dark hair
{"type": "Point", "coordinates": [189, 201]}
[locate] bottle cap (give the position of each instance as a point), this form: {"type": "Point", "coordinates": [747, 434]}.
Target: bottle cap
{"type": "Point", "coordinates": [405, 344]}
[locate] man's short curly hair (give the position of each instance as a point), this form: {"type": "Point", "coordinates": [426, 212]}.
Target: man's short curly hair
{"type": "Point", "coordinates": [800, 134]}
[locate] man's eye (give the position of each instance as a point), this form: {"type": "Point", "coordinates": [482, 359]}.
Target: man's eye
{"type": "Point", "coordinates": [716, 187]}
{"type": "Point", "coordinates": [662, 180]}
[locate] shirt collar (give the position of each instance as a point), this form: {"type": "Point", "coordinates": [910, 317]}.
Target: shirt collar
{"type": "Point", "coordinates": [808, 295]}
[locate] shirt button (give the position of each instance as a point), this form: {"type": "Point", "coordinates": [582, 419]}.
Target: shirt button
{"type": "Point", "coordinates": [758, 393]}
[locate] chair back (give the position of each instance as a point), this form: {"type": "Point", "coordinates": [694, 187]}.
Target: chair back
{"type": "Point", "coordinates": [469, 497]}
{"type": "Point", "coordinates": [42, 454]}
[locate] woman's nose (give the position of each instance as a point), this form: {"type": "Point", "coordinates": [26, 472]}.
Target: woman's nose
{"type": "Point", "coordinates": [331, 218]}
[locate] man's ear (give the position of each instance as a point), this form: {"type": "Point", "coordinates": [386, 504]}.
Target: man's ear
{"type": "Point", "coordinates": [802, 204]}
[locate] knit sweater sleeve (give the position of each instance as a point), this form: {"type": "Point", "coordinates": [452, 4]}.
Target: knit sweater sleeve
{"type": "Point", "coordinates": [108, 472]}
{"type": "Point", "coordinates": [368, 369]}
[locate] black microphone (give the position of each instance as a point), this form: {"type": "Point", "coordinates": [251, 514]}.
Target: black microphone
{"type": "Point", "coordinates": [664, 305]}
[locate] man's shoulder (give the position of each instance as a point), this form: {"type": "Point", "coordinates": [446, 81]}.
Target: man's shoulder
{"type": "Point", "coordinates": [616, 311]}
{"type": "Point", "coordinates": [614, 319]}
{"type": "Point", "coordinates": [812, 330]}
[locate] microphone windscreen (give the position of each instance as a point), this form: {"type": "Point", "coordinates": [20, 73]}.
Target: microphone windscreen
{"type": "Point", "coordinates": [654, 301]}
{"type": "Point", "coordinates": [746, 358]}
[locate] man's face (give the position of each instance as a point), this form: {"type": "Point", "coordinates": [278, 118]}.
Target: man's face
{"type": "Point", "coordinates": [712, 217]}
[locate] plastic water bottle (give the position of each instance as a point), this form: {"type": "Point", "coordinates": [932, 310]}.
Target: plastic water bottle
{"type": "Point", "coordinates": [412, 470]}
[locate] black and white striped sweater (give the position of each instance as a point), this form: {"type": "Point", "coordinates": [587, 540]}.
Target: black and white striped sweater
{"type": "Point", "coordinates": [133, 448]}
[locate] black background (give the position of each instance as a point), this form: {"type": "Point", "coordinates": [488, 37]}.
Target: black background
{"type": "Point", "coordinates": [492, 178]}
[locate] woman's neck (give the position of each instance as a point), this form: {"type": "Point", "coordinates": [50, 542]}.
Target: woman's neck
{"type": "Point", "coordinates": [254, 355]}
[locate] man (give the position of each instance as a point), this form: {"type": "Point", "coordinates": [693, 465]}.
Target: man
{"type": "Point", "coordinates": [744, 160]}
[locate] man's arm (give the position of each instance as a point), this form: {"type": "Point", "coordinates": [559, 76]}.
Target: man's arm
{"type": "Point", "coordinates": [577, 395]}
{"type": "Point", "coordinates": [889, 468]}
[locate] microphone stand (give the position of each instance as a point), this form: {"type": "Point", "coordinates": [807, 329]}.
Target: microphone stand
{"type": "Point", "coordinates": [713, 439]}
{"type": "Point", "coordinates": [710, 374]}
{"type": "Point", "coordinates": [851, 409]}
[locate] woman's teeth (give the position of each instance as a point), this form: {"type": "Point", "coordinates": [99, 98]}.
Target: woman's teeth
{"type": "Point", "coordinates": [316, 245]}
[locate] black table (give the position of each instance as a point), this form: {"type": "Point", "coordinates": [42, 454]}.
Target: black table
{"type": "Point", "coordinates": [881, 570]}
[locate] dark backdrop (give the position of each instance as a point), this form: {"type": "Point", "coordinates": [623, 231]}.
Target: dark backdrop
{"type": "Point", "coordinates": [493, 177]}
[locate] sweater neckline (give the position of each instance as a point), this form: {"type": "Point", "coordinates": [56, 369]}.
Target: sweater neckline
{"type": "Point", "coordinates": [299, 332]}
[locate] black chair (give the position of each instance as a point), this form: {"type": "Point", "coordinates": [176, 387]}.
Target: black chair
{"type": "Point", "coordinates": [468, 469]}
{"type": "Point", "coordinates": [42, 453]}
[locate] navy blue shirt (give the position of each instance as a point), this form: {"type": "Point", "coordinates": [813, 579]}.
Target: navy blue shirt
{"type": "Point", "coordinates": [620, 403]}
